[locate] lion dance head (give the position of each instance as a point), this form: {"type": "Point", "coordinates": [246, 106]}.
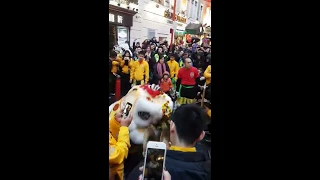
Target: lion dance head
{"type": "Point", "coordinates": [150, 107]}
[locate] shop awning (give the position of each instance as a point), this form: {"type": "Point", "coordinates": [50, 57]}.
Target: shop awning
{"type": "Point", "coordinates": [194, 29]}
{"type": "Point", "coordinates": [179, 33]}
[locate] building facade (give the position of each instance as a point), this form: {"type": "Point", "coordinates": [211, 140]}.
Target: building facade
{"type": "Point", "coordinates": [153, 18]}
{"type": "Point", "coordinates": [121, 15]}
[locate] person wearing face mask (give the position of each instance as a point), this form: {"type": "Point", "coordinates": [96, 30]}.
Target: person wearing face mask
{"type": "Point", "coordinates": [139, 74]}
{"type": "Point", "coordinates": [174, 69]}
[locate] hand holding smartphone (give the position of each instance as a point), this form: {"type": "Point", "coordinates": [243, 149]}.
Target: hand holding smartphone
{"type": "Point", "coordinates": [154, 161]}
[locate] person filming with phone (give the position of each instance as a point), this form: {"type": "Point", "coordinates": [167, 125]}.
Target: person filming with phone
{"type": "Point", "coordinates": [119, 143]}
{"type": "Point", "coordinates": [182, 161]}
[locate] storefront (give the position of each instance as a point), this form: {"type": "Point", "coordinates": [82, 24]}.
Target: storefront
{"type": "Point", "coordinates": [193, 31]}
{"type": "Point", "coordinates": [120, 21]}
{"type": "Point", "coordinates": [179, 36]}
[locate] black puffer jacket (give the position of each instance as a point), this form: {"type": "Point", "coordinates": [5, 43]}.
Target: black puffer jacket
{"type": "Point", "coordinates": [183, 166]}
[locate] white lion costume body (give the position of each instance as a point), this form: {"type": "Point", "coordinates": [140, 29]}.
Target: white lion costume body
{"type": "Point", "coordinates": [148, 104]}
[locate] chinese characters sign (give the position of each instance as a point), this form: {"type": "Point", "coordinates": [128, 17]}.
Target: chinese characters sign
{"type": "Point", "coordinates": [168, 15]}
{"type": "Point", "coordinates": [120, 19]}
{"type": "Point", "coordinates": [113, 18]}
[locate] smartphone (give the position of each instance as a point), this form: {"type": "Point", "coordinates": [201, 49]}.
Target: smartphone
{"type": "Point", "coordinates": [126, 110]}
{"type": "Point", "coordinates": [154, 160]}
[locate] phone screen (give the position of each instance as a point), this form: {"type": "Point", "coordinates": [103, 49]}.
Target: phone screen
{"type": "Point", "coordinates": [154, 164]}
{"type": "Point", "coordinates": [126, 110]}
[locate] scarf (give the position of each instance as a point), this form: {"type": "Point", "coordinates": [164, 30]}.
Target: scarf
{"type": "Point", "coordinates": [159, 68]}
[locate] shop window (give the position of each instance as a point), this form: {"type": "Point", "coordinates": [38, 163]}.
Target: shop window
{"type": "Point", "coordinates": [123, 34]}
{"type": "Point", "coordinates": [195, 11]}
{"type": "Point", "coordinates": [151, 33]}
{"type": "Point", "coordinates": [200, 13]}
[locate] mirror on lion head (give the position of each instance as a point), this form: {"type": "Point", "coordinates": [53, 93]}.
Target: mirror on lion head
{"type": "Point", "coordinates": [150, 108]}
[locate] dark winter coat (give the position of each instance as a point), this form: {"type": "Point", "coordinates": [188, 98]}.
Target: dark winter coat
{"type": "Point", "coordinates": [183, 166]}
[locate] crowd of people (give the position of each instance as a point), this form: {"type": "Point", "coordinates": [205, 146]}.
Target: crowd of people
{"type": "Point", "coordinates": [182, 71]}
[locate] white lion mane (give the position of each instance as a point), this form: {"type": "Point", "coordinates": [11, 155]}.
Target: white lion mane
{"type": "Point", "coordinates": [138, 97]}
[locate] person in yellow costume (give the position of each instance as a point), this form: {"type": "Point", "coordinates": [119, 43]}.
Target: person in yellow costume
{"type": "Point", "coordinates": [208, 111]}
{"type": "Point", "coordinates": [116, 64]}
{"type": "Point", "coordinates": [126, 65]}
{"type": "Point", "coordinates": [174, 69]}
{"type": "Point", "coordinates": [119, 143]}
{"type": "Point", "coordinates": [207, 75]}
{"type": "Point", "coordinates": [139, 74]}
